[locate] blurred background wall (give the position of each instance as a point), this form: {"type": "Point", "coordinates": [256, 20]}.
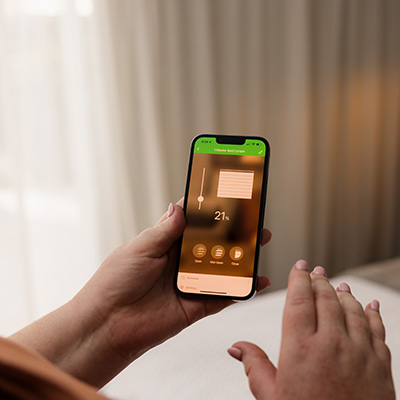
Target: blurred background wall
{"type": "Point", "coordinates": [99, 101]}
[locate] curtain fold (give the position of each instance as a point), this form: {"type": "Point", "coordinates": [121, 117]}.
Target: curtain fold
{"type": "Point", "coordinates": [355, 133]}
{"type": "Point", "coordinates": [319, 80]}
{"type": "Point", "coordinates": [60, 196]}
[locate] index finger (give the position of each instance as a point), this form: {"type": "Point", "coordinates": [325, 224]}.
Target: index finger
{"type": "Point", "coordinates": [299, 314]}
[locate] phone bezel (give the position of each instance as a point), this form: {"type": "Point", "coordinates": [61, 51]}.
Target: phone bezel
{"type": "Point", "coordinates": [228, 139]}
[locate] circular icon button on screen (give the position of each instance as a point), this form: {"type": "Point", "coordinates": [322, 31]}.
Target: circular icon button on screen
{"type": "Point", "coordinates": [236, 253]}
{"type": "Point", "coordinates": [199, 250]}
{"type": "Point", "coordinates": [217, 252]}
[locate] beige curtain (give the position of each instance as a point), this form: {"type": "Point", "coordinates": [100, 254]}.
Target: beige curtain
{"type": "Point", "coordinates": [63, 203]}
{"type": "Point", "coordinates": [99, 101]}
{"type": "Point", "coordinates": [320, 80]}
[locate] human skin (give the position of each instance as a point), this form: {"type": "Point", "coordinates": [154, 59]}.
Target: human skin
{"type": "Point", "coordinates": [331, 348]}
{"type": "Point", "coordinates": [126, 308]}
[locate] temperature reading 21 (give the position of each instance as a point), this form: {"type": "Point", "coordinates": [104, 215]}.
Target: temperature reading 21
{"type": "Point", "coordinates": [221, 216]}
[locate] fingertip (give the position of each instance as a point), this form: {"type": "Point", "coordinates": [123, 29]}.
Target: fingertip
{"type": "Point", "coordinates": [175, 222]}
{"type": "Point", "coordinates": [301, 265]}
{"type": "Point", "coordinates": [343, 287]}
{"type": "Point", "coordinates": [235, 353]}
{"type": "Point", "coordinates": [174, 209]}
{"type": "Point", "coordinates": [318, 270]}
{"type": "Point", "coordinates": [262, 283]}
{"type": "Point", "coordinates": [266, 236]}
{"type": "Point", "coordinates": [374, 305]}
{"type": "Point", "coordinates": [247, 349]}
{"type": "Point", "coordinates": [376, 325]}
{"type": "Point", "coordinates": [171, 210]}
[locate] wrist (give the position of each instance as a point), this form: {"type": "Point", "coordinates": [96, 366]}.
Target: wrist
{"type": "Point", "coordinates": [92, 357]}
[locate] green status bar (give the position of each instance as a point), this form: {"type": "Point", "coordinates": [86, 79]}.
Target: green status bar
{"type": "Point", "coordinates": [209, 145]}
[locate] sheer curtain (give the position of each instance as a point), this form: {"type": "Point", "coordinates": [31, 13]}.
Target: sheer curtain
{"type": "Point", "coordinates": [62, 194]}
{"type": "Point", "coordinates": [99, 101]}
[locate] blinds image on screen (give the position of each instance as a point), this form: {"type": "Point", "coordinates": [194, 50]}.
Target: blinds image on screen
{"type": "Point", "coordinates": [234, 184]}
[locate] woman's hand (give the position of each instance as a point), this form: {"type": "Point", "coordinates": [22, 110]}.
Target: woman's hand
{"type": "Point", "coordinates": [133, 293]}
{"type": "Point", "coordinates": [331, 348]}
{"type": "Point", "coordinates": [127, 307]}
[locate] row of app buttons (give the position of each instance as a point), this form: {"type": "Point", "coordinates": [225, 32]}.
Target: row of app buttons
{"type": "Point", "coordinates": [218, 251]}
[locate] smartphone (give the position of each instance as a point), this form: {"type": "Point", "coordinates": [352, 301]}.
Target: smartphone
{"type": "Point", "coordinates": [224, 207]}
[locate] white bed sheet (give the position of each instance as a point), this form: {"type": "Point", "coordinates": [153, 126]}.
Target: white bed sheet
{"type": "Point", "coordinates": [195, 365]}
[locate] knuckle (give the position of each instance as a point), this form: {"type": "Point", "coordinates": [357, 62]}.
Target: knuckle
{"type": "Point", "coordinates": [300, 300]}
{"type": "Point", "coordinates": [250, 367]}
{"type": "Point", "coordinates": [304, 346]}
{"type": "Point", "coordinates": [326, 295]}
{"type": "Point", "coordinates": [253, 362]}
{"type": "Point", "coordinates": [386, 352]}
{"type": "Point", "coordinates": [332, 343]}
{"type": "Point", "coordinates": [360, 324]}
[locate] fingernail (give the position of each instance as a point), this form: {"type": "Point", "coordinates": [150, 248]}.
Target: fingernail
{"type": "Point", "coordinates": [375, 305]}
{"type": "Point", "coordinates": [171, 210]}
{"type": "Point", "coordinates": [235, 353]}
{"type": "Point", "coordinates": [302, 265]}
{"type": "Point", "coordinates": [320, 271]}
{"type": "Point", "coordinates": [344, 287]}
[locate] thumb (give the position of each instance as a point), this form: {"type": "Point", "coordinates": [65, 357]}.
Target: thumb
{"type": "Point", "coordinates": [155, 242]}
{"type": "Point", "coordinates": [259, 369]}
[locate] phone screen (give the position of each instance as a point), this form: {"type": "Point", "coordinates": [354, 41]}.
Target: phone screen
{"type": "Point", "coordinates": [224, 206]}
